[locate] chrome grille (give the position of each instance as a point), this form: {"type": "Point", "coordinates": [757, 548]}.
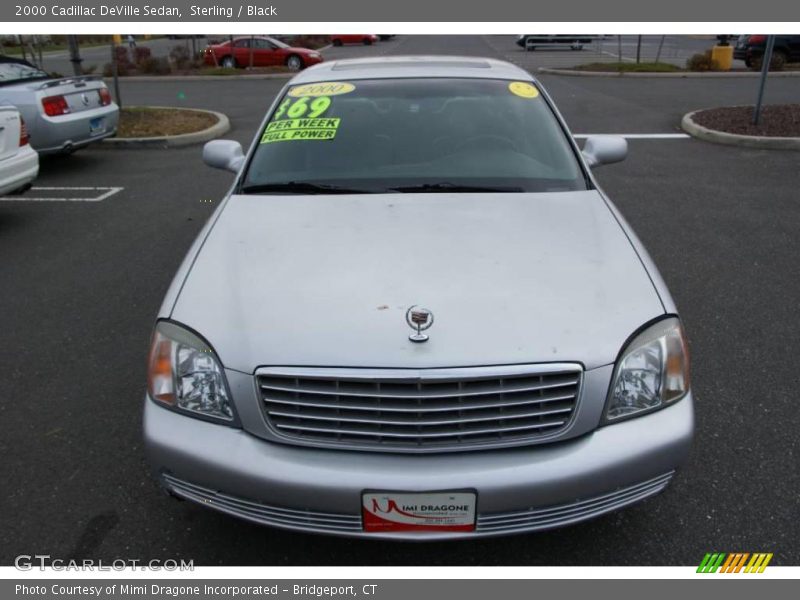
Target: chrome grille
{"type": "Point", "coordinates": [420, 409]}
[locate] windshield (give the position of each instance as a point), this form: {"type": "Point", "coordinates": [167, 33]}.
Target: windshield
{"type": "Point", "coordinates": [277, 42]}
{"type": "Point", "coordinates": [411, 135]}
{"type": "Point", "coordinates": [11, 72]}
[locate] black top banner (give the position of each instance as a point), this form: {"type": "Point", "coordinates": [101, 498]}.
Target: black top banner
{"type": "Point", "coordinates": [189, 11]}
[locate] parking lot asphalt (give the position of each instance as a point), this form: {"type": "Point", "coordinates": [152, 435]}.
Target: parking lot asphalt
{"type": "Point", "coordinates": [82, 282]}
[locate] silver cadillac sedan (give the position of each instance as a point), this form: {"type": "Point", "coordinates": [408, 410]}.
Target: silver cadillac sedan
{"type": "Point", "coordinates": [416, 315]}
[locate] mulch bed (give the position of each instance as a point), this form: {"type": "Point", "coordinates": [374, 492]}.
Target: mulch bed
{"type": "Point", "coordinates": [779, 120]}
{"type": "Point", "coordinates": [235, 71]}
{"type": "Point", "coordinates": [156, 122]}
{"type": "Point", "coordinates": [613, 67]}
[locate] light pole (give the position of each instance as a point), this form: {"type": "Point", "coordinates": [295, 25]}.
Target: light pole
{"type": "Point", "coordinates": [114, 68]}
{"type": "Point", "coordinates": [75, 55]}
{"type": "Point", "coordinates": [765, 60]}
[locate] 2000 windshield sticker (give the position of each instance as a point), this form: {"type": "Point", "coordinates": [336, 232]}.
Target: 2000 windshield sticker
{"type": "Point", "coordinates": [301, 116]}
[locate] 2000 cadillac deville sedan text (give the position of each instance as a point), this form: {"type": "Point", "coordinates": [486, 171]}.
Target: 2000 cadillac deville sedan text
{"type": "Point", "coordinates": [416, 315]}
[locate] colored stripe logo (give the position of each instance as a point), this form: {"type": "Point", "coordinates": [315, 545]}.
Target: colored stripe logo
{"type": "Point", "coordinates": [735, 562]}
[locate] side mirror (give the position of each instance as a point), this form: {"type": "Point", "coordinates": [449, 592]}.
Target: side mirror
{"type": "Point", "coordinates": [223, 154]}
{"type": "Point", "coordinates": [604, 149]}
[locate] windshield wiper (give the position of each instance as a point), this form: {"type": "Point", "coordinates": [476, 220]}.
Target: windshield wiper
{"type": "Point", "coordinates": [452, 187]}
{"type": "Point", "coordinates": [301, 187]}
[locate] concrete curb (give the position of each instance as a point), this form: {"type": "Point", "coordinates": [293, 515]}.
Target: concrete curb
{"type": "Point", "coordinates": [679, 75]}
{"type": "Point", "coordinates": [221, 127]}
{"type": "Point", "coordinates": [202, 77]}
{"type": "Point", "coordinates": [733, 139]}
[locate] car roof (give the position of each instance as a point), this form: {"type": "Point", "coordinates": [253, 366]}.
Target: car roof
{"type": "Point", "coordinates": [385, 67]}
{"type": "Point", "coordinates": [245, 37]}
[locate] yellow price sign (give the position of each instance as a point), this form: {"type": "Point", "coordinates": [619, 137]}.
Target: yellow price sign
{"type": "Point", "coordinates": [326, 88]}
{"type": "Point", "coordinates": [523, 89]}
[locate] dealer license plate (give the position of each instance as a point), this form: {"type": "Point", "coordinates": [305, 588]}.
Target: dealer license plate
{"type": "Point", "coordinates": [411, 511]}
{"type": "Point", "coordinates": [97, 126]}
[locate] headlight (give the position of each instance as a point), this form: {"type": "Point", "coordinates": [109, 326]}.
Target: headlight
{"type": "Point", "coordinates": [652, 372]}
{"type": "Point", "coordinates": [184, 374]}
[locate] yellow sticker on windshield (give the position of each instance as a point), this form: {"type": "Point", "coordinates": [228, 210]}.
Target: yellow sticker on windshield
{"type": "Point", "coordinates": [288, 130]}
{"type": "Point", "coordinates": [523, 89]}
{"type": "Point", "coordinates": [326, 88]}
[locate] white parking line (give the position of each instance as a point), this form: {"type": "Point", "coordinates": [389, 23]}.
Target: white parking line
{"type": "Point", "coordinates": [101, 193]}
{"type": "Point", "coordinates": [617, 56]}
{"type": "Point", "coordinates": [637, 136]}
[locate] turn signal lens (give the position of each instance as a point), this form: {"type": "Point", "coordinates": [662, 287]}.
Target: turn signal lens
{"type": "Point", "coordinates": [24, 137]}
{"type": "Point", "coordinates": [676, 377]}
{"type": "Point", "coordinates": [160, 380]}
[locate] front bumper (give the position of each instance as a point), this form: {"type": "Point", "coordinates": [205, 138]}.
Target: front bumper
{"type": "Point", "coordinates": [319, 490]}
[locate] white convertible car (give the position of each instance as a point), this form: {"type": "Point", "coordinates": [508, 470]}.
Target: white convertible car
{"type": "Point", "coordinates": [19, 162]}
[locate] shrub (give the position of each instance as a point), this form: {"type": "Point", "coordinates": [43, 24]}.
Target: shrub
{"type": "Point", "coordinates": [89, 70]}
{"type": "Point", "coordinates": [310, 41]}
{"type": "Point", "coordinates": [777, 62]}
{"type": "Point", "coordinates": [702, 62]}
{"type": "Point", "coordinates": [181, 57]}
{"type": "Point", "coordinates": [122, 55]}
{"type": "Point", "coordinates": [123, 69]}
{"type": "Point", "coordinates": [140, 54]}
{"type": "Point", "coordinates": [155, 66]}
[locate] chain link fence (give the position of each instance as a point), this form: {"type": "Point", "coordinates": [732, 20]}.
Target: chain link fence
{"type": "Point", "coordinates": [532, 52]}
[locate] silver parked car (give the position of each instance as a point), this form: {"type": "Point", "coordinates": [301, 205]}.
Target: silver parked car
{"type": "Point", "coordinates": [62, 114]}
{"type": "Point", "coordinates": [416, 315]}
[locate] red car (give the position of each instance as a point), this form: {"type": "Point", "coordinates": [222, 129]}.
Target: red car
{"type": "Point", "coordinates": [266, 52]}
{"type": "Point", "coordinates": [348, 38]}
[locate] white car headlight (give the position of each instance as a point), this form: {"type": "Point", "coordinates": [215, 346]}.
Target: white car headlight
{"type": "Point", "coordinates": [185, 374]}
{"type": "Point", "coordinates": [652, 372]}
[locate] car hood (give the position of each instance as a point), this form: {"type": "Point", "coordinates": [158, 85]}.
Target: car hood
{"type": "Point", "coordinates": [327, 280]}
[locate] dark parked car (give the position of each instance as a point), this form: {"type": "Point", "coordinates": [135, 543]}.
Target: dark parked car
{"type": "Point", "coordinates": [531, 42]}
{"type": "Point", "coordinates": [750, 49]}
